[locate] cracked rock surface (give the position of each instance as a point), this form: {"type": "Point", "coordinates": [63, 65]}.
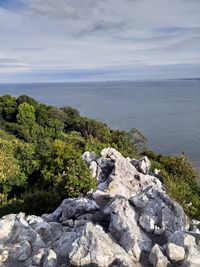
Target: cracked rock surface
{"type": "Point", "coordinates": [129, 220]}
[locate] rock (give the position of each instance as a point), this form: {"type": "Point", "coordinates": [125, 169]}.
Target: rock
{"type": "Point", "coordinates": [160, 210]}
{"type": "Point", "coordinates": [128, 220]}
{"type": "Point", "coordinates": [71, 207]}
{"type": "Point", "coordinates": [111, 153]}
{"type": "Point", "coordinates": [183, 239]}
{"type": "Point", "coordinates": [37, 258]}
{"type": "Point", "coordinates": [175, 253]}
{"type": "Point", "coordinates": [157, 258]}
{"type": "Point", "coordinates": [63, 246]}
{"type": "Point", "coordinates": [124, 228]}
{"type": "Point", "coordinates": [95, 248]}
{"type": "Point", "coordinates": [89, 157]}
{"type": "Point", "coordinates": [51, 259]}
{"type": "Point", "coordinates": [93, 168]}
{"type": "Point", "coordinates": [193, 258]}
{"type": "Point", "coordinates": [147, 223]}
{"type": "Point", "coordinates": [69, 223]}
{"type": "Point", "coordinates": [196, 223]}
{"type": "Point", "coordinates": [122, 180]}
{"type": "Point", "coordinates": [144, 165]}
{"type": "Point", "coordinates": [105, 167]}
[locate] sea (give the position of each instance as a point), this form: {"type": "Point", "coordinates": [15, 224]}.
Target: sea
{"type": "Point", "coordinates": [167, 112]}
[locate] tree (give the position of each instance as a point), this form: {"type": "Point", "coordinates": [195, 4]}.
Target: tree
{"type": "Point", "coordinates": [9, 170]}
{"type": "Point", "coordinates": [27, 99]}
{"type": "Point", "coordinates": [8, 108]}
{"type": "Point", "coordinates": [66, 172]}
{"type": "Point", "coordinates": [26, 114]}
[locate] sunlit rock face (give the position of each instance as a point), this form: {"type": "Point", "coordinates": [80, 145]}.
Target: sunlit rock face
{"type": "Point", "coordinates": [129, 220]}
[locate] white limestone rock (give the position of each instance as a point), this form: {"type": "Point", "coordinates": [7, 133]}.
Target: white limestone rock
{"type": "Point", "coordinates": [124, 228]}
{"type": "Point", "coordinates": [95, 247]}
{"type": "Point", "coordinates": [175, 253]}
{"type": "Point", "coordinates": [166, 214]}
{"type": "Point", "coordinates": [93, 168]}
{"type": "Point", "coordinates": [111, 153]}
{"type": "Point", "coordinates": [182, 238]}
{"type": "Point", "coordinates": [72, 207]}
{"type": "Point", "coordinates": [89, 157]}
{"type": "Point", "coordinates": [193, 257]}
{"type": "Point", "coordinates": [157, 258]}
{"type": "Point", "coordinates": [144, 165]}
{"type": "Point", "coordinates": [51, 259]}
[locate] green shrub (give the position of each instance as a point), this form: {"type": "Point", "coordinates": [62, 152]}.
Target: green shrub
{"type": "Point", "coordinates": [41, 148]}
{"type": "Point", "coordinates": [37, 202]}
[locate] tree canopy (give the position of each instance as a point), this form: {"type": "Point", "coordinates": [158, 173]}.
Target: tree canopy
{"type": "Point", "coordinates": [40, 157]}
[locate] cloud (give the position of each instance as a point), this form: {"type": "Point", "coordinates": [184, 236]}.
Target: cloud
{"type": "Point", "coordinates": [70, 35]}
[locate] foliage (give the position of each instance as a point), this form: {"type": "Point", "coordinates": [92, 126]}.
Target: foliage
{"type": "Point", "coordinates": [65, 171]}
{"type": "Point", "coordinates": [179, 178]}
{"type": "Point", "coordinates": [9, 170]}
{"type": "Point", "coordinates": [40, 157]}
{"type": "Point", "coordinates": [35, 202]}
{"type": "Point", "coordinates": [8, 107]}
{"type": "Point", "coordinates": [26, 114]}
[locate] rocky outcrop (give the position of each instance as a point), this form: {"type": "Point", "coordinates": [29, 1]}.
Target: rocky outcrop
{"type": "Point", "coordinates": [129, 220]}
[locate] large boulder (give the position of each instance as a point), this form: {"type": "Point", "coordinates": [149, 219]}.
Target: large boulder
{"type": "Point", "coordinates": [159, 213]}
{"type": "Point", "coordinates": [124, 228]}
{"type": "Point", "coordinates": [71, 208]}
{"type": "Point", "coordinates": [95, 248]}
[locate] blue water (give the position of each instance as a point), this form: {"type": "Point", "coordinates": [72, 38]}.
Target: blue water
{"type": "Point", "coordinates": [167, 112]}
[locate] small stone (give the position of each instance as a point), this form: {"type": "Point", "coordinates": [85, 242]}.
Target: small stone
{"type": "Point", "coordinates": [146, 222]}
{"type": "Point", "coordinates": [174, 252]}
{"type": "Point", "coordinates": [51, 259]}
{"type": "Point", "coordinates": [93, 168]}
{"type": "Point", "coordinates": [156, 257]}
{"type": "Point", "coordinates": [38, 257]}
{"type": "Point", "coordinates": [144, 165]}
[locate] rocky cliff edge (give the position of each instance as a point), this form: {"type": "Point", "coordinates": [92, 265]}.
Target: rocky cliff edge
{"type": "Point", "coordinates": [129, 220]}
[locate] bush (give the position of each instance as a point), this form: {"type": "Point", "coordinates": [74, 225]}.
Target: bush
{"type": "Point", "coordinates": [65, 171]}
{"type": "Point", "coordinates": [41, 148]}
{"type": "Point", "coordinates": [179, 178]}
{"type": "Point", "coordinates": [37, 202]}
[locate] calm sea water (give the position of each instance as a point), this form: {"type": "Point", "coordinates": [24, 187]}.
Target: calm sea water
{"type": "Point", "coordinates": [167, 112]}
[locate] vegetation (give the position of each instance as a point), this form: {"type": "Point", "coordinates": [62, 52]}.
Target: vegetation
{"type": "Point", "coordinates": [40, 153]}
{"type": "Point", "coordinates": [40, 157]}
{"type": "Point", "coordinates": [180, 179]}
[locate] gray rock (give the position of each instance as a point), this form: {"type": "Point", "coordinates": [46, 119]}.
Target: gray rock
{"type": "Point", "coordinates": [93, 168]}
{"type": "Point", "coordinates": [111, 153]}
{"type": "Point", "coordinates": [71, 208]}
{"type": "Point", "coordinates": [159, 210]}
{"type": "Point", "coordinates": [116, 225]}
{"type": "Point", "coordinates": [89, 157]}
{"type": "Point", "coordinates": [193, 257]}
{"type": "Point", "coordinates": [157, 258]}
{"type": "Point", "coordinates": [124, 228]}
{"type": "Point", "coordinates": [183, 239]}
{"type": "Point", "coordinates": [175, 253]}
{"type": "Point", "coordinates": [51, 259]}
{"type": "Point", "coordinates": [144, 165]}
{"type": "Point", "coordinates": [95, 248]}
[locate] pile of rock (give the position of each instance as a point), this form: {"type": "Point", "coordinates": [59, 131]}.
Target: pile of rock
{"type": "Point", "coordinates": [127, 221]}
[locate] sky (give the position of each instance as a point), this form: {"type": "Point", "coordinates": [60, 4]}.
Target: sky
{"type": "Point", "coordinates": [98, 40]}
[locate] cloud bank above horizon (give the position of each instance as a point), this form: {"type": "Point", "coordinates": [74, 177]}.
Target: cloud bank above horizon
{"type": "Point", "coordinates": [87, 40]}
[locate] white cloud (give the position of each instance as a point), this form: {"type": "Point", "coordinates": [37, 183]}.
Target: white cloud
{"type": "Point", "coordinates": [102, 34]}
